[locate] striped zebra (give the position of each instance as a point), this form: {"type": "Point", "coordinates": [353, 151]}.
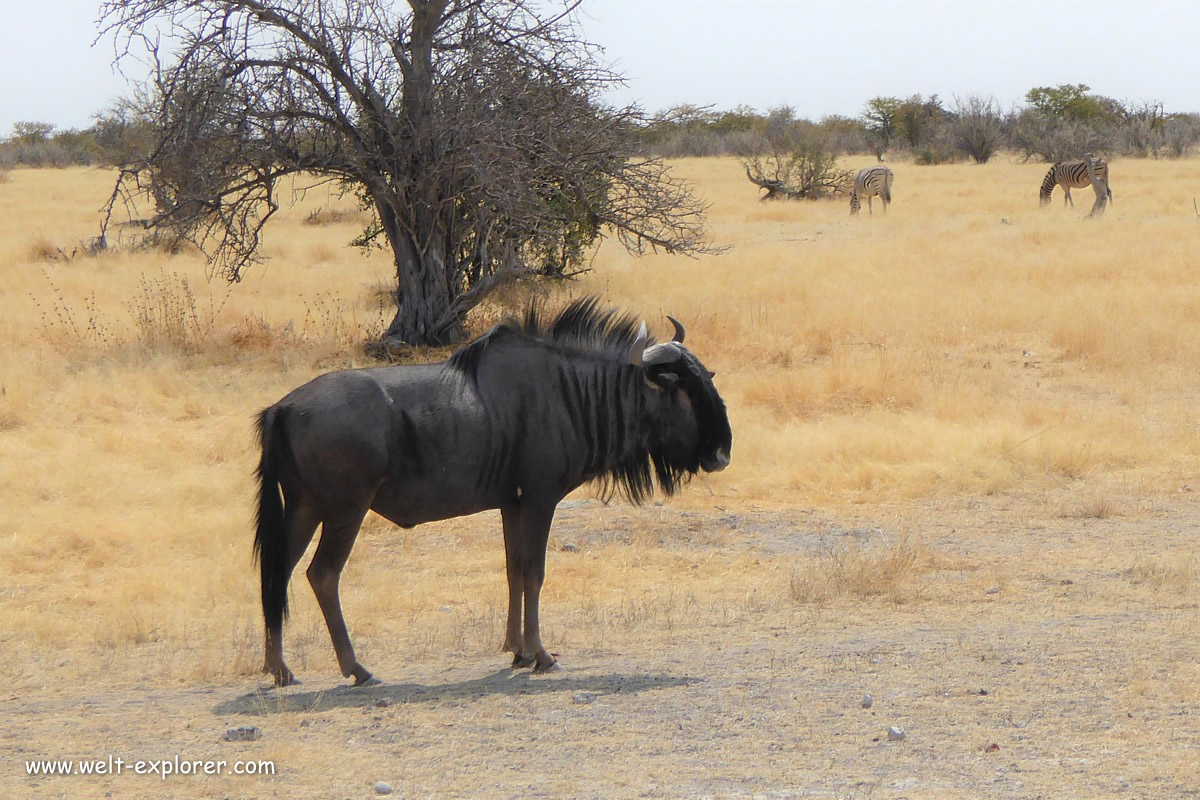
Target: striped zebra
{"type": "Point", "coordinates": [869, 182]}
{"type": "Point", "coordinates": [1073, 174]}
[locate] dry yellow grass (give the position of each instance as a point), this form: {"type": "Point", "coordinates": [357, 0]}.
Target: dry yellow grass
{"type": "Point", "coordinates": [966, 437]}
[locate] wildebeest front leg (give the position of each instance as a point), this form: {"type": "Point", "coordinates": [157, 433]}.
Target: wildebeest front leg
{"type": "Point", "coordinates": [534, 531]}
{"type": "Point", "coordinates": [324, 573]}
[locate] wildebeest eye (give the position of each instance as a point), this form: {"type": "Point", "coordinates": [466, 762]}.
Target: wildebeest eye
{"type": "Point", "coordinates": [667, 380]}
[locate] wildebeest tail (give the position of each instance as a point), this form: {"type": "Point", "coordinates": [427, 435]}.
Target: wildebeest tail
{"type": "Point", "coordinates": [270, 538]}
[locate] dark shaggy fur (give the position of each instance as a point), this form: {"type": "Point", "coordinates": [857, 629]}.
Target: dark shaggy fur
{"type": "Point", "coordinates": [513, 421]}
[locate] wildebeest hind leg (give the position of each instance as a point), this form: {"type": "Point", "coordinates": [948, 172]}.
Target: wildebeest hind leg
{"type": "Point", "coordinates": [514, 642]}
{"type": "Point", "coordinates": [300, 522]}
{"type": "Point", "coordinates": [324, 573]}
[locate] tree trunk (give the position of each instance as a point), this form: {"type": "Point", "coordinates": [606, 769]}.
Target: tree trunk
{"type": "Point", "coordinates": [1099, 188]}
{"type": "Point", "coordinates": [424, 300]}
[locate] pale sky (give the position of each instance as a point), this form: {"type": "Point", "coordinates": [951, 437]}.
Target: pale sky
{"type": "Point", "coordinates": [820, 57]}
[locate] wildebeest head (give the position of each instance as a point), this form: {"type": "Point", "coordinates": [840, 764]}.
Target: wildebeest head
{"type": "Point", "coordinates": [682, 426]}
{"type": "Point", "coordinates": [692, 427]}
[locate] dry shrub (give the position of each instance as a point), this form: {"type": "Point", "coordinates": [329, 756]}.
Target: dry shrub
{"type": "Point", "coordinates": [330, 321]}
{"type": "Point", "coordinates": [45, 250]}
{"type": "Point", "coordinates": [252, 333]}
{"type": "Point", "coordinates": [69, 329]}
{"type": "Point", "coordinates": [168, 317]}
{"type": "Point", "coordinates": [856, 571]}
{"type": "Point", "coordinates": [322, 254]}
{"type": "Point", "coordinates": [335, 216]}
{"type": "Point", "coordinates": [1099, 506]}
{"type": "Point", "coordinates": [1175, 573]}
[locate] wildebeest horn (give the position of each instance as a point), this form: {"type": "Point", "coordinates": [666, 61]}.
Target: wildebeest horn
{"type": "Point", "coordinates": [664, 353]}
{"type": "Point", "coordinates": [680, 331]}
{"type": "Point", "coordinates": [638, 347]}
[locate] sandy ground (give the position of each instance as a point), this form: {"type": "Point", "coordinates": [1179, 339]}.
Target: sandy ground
{"type": "Point", "coordinates": [1029, 658]}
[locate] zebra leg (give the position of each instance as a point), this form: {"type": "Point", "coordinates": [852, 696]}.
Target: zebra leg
{"type": "Point", "coordinates": [1067, 197]}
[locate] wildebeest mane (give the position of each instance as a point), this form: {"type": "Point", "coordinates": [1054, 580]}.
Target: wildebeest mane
{"type": "Point", "coordinates": [583, 326]}
{"type": "Point", "coordinates": [586, 329]}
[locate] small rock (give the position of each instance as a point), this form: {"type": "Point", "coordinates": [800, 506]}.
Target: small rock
{"type": "Point", "coordinates": [992, 590]}
{"type": "Point", "coordinates": [992, 748]}
{"type": "Point", "coordinates": [304, 723]}
{"type": "Point", "coordinates": [895, 734]}
{"type": "Point", "coordinates": [383, 788]}
{"type": "Point", "coordinates": [569, 547]}
{"type": "Point", "coordinates": [867, 701]}
{"type": "Point", "coordinates": [583, 698]}
{"type": "Point", "coordinates": [243, 733]}
{"type": "Point", "coordinates": [383, 702]}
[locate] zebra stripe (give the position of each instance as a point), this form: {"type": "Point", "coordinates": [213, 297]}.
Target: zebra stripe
{"type": "Point", "coordinates": [869, 182]}
{"type": "Point", "coordinates": [1073, 175]}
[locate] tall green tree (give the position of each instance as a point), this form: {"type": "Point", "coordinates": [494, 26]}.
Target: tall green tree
{"type": "Point", "coordinates": [1069, 101]}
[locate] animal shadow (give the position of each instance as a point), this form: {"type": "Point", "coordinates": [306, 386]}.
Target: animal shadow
{"type": "Point", "coordinates": [263, 702]}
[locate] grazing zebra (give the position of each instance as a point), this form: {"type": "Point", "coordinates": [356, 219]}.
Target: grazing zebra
{"type": "Point", "coordinates": [868, 183]}
{"type": "Point", "coordinates": [1073, 174]}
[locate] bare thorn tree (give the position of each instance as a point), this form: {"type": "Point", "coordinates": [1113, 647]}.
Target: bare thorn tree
{"type": "Point", "coordinates": [792, 162]}
{"type": "Point", "coordinates": [978, 128]}
{"type": "Point", "coordinates": [471, 129]}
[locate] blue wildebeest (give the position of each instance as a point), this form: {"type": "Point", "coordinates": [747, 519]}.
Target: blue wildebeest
{"type": "Point", "coordinates": [515, 420]}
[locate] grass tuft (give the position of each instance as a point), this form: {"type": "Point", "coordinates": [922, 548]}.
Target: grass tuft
{"type": "Point", "coordinates": [862, 572]}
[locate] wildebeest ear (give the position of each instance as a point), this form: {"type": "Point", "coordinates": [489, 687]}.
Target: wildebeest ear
{"type": "Point", "coordinates": [711, 374]}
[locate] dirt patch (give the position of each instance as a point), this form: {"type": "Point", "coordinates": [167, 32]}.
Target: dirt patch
{"type": "Point", "coordinates": [1028, 664]}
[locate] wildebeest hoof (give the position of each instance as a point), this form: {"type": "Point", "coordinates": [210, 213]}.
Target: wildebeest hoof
{"type": "Point", "coordinates": [284, 677]}
{"type": "Point", "coordinates": [553, 666]}
{"type": "Point", "coordinates": [363, 678]}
